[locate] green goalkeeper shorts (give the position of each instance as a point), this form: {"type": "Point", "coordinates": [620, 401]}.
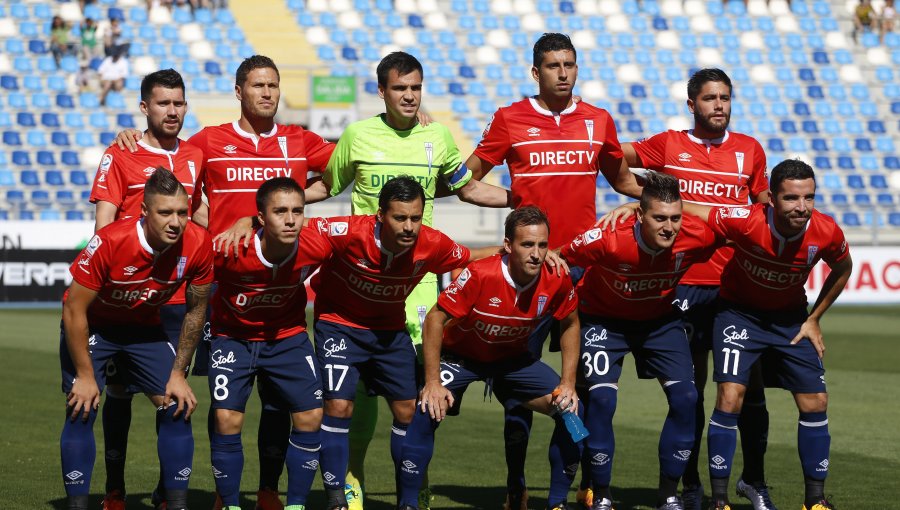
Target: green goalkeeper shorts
{"type": "Point", "coordinates": [419, 302]}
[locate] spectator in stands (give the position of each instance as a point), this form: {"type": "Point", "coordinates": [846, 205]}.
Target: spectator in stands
{"type": "Point", "coordinates": [113, 71]}
{"type": "Point", "coordinates": [113, 42]}
{"type": "Point", "coordinates": [60, 44]}
{"type": "Point", "coordinates": [863, 18]}
{"type": "Point", "coordinates": [888, 18]}
{"type": "Point", "coordinates": [89, 46]}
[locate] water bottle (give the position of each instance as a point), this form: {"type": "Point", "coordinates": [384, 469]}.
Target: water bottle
{"type": "Point", "coordinates": [573, 423]}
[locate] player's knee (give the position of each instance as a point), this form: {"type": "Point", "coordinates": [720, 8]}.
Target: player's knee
{"type": "Point", "coordinates": [229, 421]}
{"type": "Point", "coordinates": [117, 391]}
{"type": "Point", "coordinates": [339, 408]}
{"type": "Point", "coordinates": [157, 400]}
{"type": "Point", "coordinates": [307, 421]}
{"type": "Point", "coordinates": [682, 397]}
{"type": "Point", "coordinates": [403, 410]}
{"type": "Point", "coordinates": [730, 397]}
{"type": "Point", "coordinates": [811, 402]}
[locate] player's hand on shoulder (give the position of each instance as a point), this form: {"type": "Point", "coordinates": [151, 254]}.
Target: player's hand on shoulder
{"type": "Point", "coordinates": [423, 118]}
{"type": "Point", "coordinates": [811, 331]}
{"type": "Point", "coordinates": [178, 392]}
{"type": "Point", "coordinates": [83, 398]}
{"type": "Point", "coordinates": [238, 234]}
{"type": "Point", "coordinates": [618, 215]}
{"type": "Point", "coordinates": [436, 400]}
{"type": "Point", "coordinates": [555, 262]}
{"type": "Point", "coordinates": [128, 139]}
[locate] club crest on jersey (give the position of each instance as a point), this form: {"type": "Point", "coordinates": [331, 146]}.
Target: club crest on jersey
{"type": "Point", "coordinates": [811, 254]}
{"type": "Point", "coordinates": [429, 154]}
{"type": "Point", "coordinates": [338, 228]}
{"type": "Point", "coordinates": [684, 156]}
{"type": "Point", "coordinates": [418, 267]}
{"type": "Point", "coordinates": [589, 125]}
{"type": "Point", "coordinates": [541, 304]}
{"type": "Point", "coordinates": [193, 169]}
{"type": "Point", "coordinates": [739, 157]}
{"type": "Point", "coordinates": [282, 143]}
{"type": "Point", "coordinates": [679, 258]}
{"type": "Point", "coordinates": [533, 131]}
{"type": "Point", "coordinates": [182, 263]}
{"type": "Point", "coordinates": [230, 149]}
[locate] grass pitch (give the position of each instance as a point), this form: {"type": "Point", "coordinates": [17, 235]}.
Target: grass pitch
{"type": "Point", "coordinates": [863, 374]}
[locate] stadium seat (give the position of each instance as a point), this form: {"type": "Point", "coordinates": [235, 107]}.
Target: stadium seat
{"type": "Point", "coordinates": [69, 158]}
{"type": "Point", "coordinates": [851, 219]}
{"type": "Point", "coordinates": [46, 158]}
{"type": "Point", "coordinates": [12, 138]}
{"type": "Point", "coordinates": [79, 178]}
{"type": "Point", "coordinates": [29, 178]}
{"type": "Point", "coordinates": [60, 139]}
{"type": "Point", "coordinates": [74, 215]}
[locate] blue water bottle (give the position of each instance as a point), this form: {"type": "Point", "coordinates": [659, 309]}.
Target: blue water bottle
{"type": "Point", "coordinates": [573, 423]}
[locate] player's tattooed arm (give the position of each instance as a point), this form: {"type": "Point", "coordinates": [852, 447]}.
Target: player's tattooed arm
{"type": "Point", "coordinates": [85, 394]}
{"type": "Point", "coordinates": [834, 284]}
{"type": "Point", "coordinates": [178, 391]}
{"type": "Point", "coordinates": [128, 139]}
{"type": "Point", "coordinates": [434, 399]}
{"type": "Point", "coordinates": [569, 347]}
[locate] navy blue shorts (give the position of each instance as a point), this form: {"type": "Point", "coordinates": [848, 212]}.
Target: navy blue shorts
{"type": "Point", "coordinates": [743, 336]}
{"type": "Point", "coordinates": [117, 368]}
{"type": "Point", "coordinates": [549, 325]}
{"type": "Point", "coordinates": [384, 360]}
{"type": "Point", "coordinates": [698, 305]}
{"type": "Point", "coordinates": [660, 350]}
{"type": "Point", "coordinates": [288, 367]}
{"type": "Point", "coordinates": [513, 381]}
{"type": "Point", "coordinates": [146, 352]}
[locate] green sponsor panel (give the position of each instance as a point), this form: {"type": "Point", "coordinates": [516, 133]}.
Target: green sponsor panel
{"type": "Point", "coordinates": [334, 89]}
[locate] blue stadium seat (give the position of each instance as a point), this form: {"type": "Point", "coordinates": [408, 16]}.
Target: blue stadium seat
{"type": "Point", "coordinates": [12, 138]}
{"type": "Point", "coordinates": [17, 100]}
{"type": "Point", "coordinates": [801, 109]}
{"type": "Point", "coordinates": [822, 163]}
{"type": "Point", "coordinates": [846, 163]}
{"type": "Point", "coordinates": [29, 178]}
{"type": "Point", "coordinates": [5, 120]}
{"type": "Point", "coordinates": [788, 126]}
{"type": "Point", "coordinates": [60, 139]}
{"type": "Point", "coordinates": [74, 215]}
{"type": "Point", "coordinates": [40, 198]}
{"type": "Point", "coordinates": [79, 178]}
{"type": "Point", "coordinates": [54, 178]}
{"type": "Point", "coordinates": [892, 162]}
{"type": "Point", "coordinates": [875, 126]}
{"type": "Point", "coordinates": [70, 158]}
{"type": "Point", "coordinates": [25, 119]}
{"type": "Point", "coordinates": [776, 145]}
{"type": "Point", "coordinates": [213, 68]}
{"type": "Point", "coordinates": [14, 196]}
{"type": "Point", "coordinates": [9, 82]}
{"type": "Point", "coordinates": [84, 139]}
{"type": "Point", "coordinates": [46, 158]}
{"type": "Point", "coordinates": [863, 145]}
{"type": "Point", "coordinates": [885, 200]}
{"type": "Point", "coordinates": [810, 127]}
{"type": "Point", "coordinates": [851, 219]}
{"type": "Point", "coordinates": [855, 181]}
{"type": "Point", "coordinates": [21, 158]}
{"type": "Point", "coordinates": [7, 178]}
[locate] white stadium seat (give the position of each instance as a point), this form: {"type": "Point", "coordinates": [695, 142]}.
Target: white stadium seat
{"type": "Point", "coordinates": [8, 27]}
{"type": "Point", "coordinates": [533, 23]}
{"type": "Point", "coordinates": [524, 7]}
{"type": "Point", "coordinates": [487, 55]}
{"type": "Point", "coordinates": [5, 64]}
{"type": "Point", "coordinates": [618, 23]}
{"type": "Point", "coordinates": [851, 73]}
{"type": "Point", "coordinates": [159, 15]}
{"type": "Point", "coordinates": [752, 40]}
{"type": "Point", "coordinates": [762, 73]}
{"type": "Point", "coordinates": [502, 6]}
{"type": "Point", "coordinates": [671, 8]}
{"type": "Point", "coordinates": [758, 8]}
{"type": "Point", "coordinates": [786, 24]}
{"type": "Point", "coordinates": [317, 36]}
{"type": "Point", "coordinates": [836, 40]}
{"type": "Point", "coordinates": [406, 7]}
{"type": "Point", "coordinates": [678, 91]}
{"type": "Point", "coordinates": [709, 57]}
{"type": "Point", "coordinates": [584, 39]}
{"type": "Point", "coordinates": [143, 66]}
{"type": "Point", "coordinates": [340, 6]}
{"type": "Point", "coordinates": [191, 32]}
{"type": "Point", "coordinates": [350, 20]}
{"type": "Point", "coordinates": [694, 7]}
{"type": "Point", "coordinates": [404, 37]}
{"type": "Point", "coordinates": [428, 6]}
{"type": "Point", "coordinates": [436, 20]}
{"type": "Point", "coordinates": [317, 6]}
{"type": "Point", "coordinates": [668, 40]}
{"type": "Point", "coordinates": [587, 7]}
{"type": "Point", "coordinates": [628, 73]}
{"type": "Point", "coordinates": [779, 8]}
{"type": "Point", "coordinates": [202, 50]}
{"type": "Point", "coordinates": [499, 38]}
{"type": "Point", "coordinates": [90, 157]}
{"type": "Point", "coordinates": [593, 90]}
{"type": "Point", "coordinates": [701, 24]}
{"type": "Point", "coordinates": [878, 57]}
{"type": "Point", "coordinates": [70, 12]}
{"type": "Point", "coordinates": [609, 7]}
{"type": "Point", "coordinates": [894, 180]}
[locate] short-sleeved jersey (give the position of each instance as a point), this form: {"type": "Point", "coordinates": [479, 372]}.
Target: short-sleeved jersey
{"type": "Point", "coordinates": [768, 271]}
{"type": "Point", "coordinates": [237, 162]}
{"type": "Point", "coordinates": [363, 285]}
{"type": "Point", "coordinates": [721, 171]}
{"type": "Point", "coordinates": [492, 316]}
{"type": "Point", "coordinates": [554, 159]}
{"type": "Point", "coordinates": [131, 279]}
{"type": "Point", "coordinates": [259, 300]}
{"type": "Point", "coordinates": [627, 279]}
{"type": "Point", "coordinates": [122, 174]}
{"type": "Point", "coordinates": [370, 153]}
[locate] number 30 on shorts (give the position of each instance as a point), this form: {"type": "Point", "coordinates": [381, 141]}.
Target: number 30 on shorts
{"type": "Point", "coordinates": [596, 363]}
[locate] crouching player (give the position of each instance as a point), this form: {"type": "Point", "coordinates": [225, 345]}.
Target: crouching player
{"type": "Point", "coordinates": [259, 327]}
{"type": "Point", "coordinates": [626, 306]}
{"type": "Point", "coordinates": [763, 310]}
{"type": "Point", "coordinates": [129, 270]}
{"type": "Point", "coordinates": [479, 330]}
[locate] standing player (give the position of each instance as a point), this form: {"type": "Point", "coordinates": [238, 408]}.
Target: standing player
{"type": "Point", "coordinates": [238, 158]}
{"type": "Point", "coordinates": [118, 192]}
{"type": "Point", "coordinates": [714, 167]}
{"type": "Point", "coordinates": [555, 148]}
{"type": "Point", "coordinates": [360, 321]}
{"type": "Point", "coordinates": [259, 327]}
{"type": "Point", "coordinates": [626, 297]}
{"type": "Point", "coordinates": [369, 154]}
{"type": "Point", "coordinates": [479, 330]}
{"type": "Point", "coordinates": [763, 311]}
{"type": "Point", "coordinates": [126, 273]}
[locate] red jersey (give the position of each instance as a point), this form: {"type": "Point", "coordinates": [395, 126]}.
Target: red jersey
{"type": "Point", "coordinates": [236, 163]}
{"type": "Point", "coordinates": [721, 171]}
{"type": "Point", "coordinates": [627, 279]}
{"type": "Point", "coordinates": [365, 286]}
{"type": "Point", "coordinates": [493, 316]}
{"type": "Point", "coordinates": [768, 271]}
{"type": "Point", "coordinates": [122, 174]}
{"type": "Point", "coordinates": [131, 279]}
{"type": "Point", "coordinates": [553, 160]}
{"type": "Point", "coordinates": [259, 300]}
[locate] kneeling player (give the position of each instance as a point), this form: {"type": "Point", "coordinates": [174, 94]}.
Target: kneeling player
{"type": "Point", "coordinates": [626, 295]}
{"type": "Point", "coordinates": [479, 330]}
{"type": "Point", "coordinates": [763, 310]}
{"type": "Point", "coordinates": [129, 269]}
{"type": "Point", "coordinates": [259, 323]}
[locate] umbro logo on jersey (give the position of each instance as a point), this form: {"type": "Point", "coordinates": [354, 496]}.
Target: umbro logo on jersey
{"type": "Point", "coordinates": [149, 170]}
{"type": "Point", "coordinates": [363, 263]}
{"type": "Point", "coordinates": [625, 268]}
{"type": "Point", "coordinates": [684, 156]}
{"type": "Point", "coordinates": [230, 149]}
{"type": "Point", "coordinates": [533, 131]}
{"type": "Point", "coordinates": [130, 270]}
{"type": "Point", "coordinates": [494, 301]}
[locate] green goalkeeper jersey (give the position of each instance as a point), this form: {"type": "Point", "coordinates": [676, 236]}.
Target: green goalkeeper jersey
{"type": "Point", "coordinates": [370, 153]}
